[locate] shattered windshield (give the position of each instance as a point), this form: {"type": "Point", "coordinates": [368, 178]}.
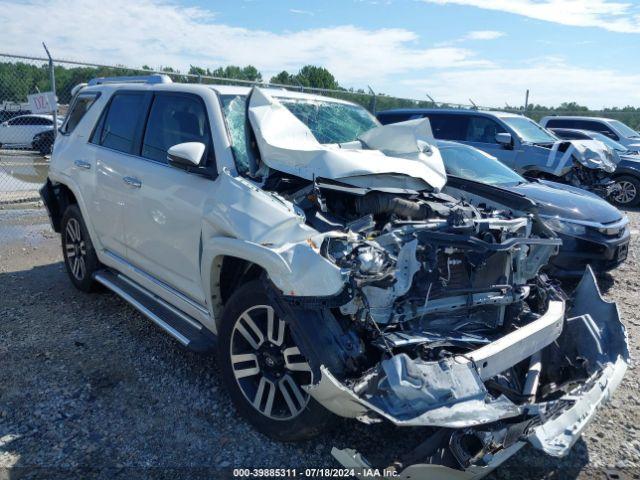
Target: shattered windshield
{"type": "Point", "coordinates": [529, 131]}
{"type": "Point", "coordinates": [331, 122]}
{"type": "Point", "coordinates": [235, 113]}
{"type": "Point", "coordinates": [472, 164]}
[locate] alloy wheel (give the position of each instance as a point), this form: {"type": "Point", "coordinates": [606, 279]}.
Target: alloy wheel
{"type": "Point", "coordinates": [267, 365]}
{"type": "Point", "coordinates": [75, 249]}
{"type": "Point", "coordinates": [626, 193]}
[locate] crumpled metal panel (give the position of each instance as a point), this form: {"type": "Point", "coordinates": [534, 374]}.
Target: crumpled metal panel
{"type": "Point", "coordinates": [595, 330]}
{"type": "Point", "coordinates": [286, 144]}
{"type": "Point", "coordinates": [451, 393]}
{"type": "Point", "coordinates": [590, 153]}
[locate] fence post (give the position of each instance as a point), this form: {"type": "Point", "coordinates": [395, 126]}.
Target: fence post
{"type": "Point", "coordinates": [373, 100]}
{"type": "Point", "coordinates": [52, 78]}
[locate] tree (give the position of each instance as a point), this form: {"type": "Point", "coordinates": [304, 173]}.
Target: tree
{"type": "Point", "coordinates": [308, 76]}
{"type": "Point", "coordinates": [317, 77]}
{"type": "Point", "coordinates": [283, 78]}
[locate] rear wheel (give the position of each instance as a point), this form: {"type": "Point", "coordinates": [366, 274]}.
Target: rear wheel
{"type": "Point", "coordinates": [629, 192]}
{"type": "Point", "coordinates": [80, 258]}
{"type": "Point", "coordinates": [264, 370]}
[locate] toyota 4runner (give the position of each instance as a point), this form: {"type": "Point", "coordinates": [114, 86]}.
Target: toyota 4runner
{"type": "Point", "coordinates": [316, 249]}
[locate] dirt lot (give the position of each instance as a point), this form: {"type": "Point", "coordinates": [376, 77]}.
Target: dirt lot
{"type": "Point", "coordinates": [86, 382]}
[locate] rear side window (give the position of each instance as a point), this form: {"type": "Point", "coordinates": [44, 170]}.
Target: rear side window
{"type": "Point", "coordinates": [120, 124]}
{"type": "Point", "coordinates": [30, 121]}
{"type": "Point", "coordinates": [483, 130]}
{"type": "Point", "coordinates": [175, 119]}
{"type": "Point", "coordinates": [449, 127]}
{"type": "Point", "coordinates": [80, 106]}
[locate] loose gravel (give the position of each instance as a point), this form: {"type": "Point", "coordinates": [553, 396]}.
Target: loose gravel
{"type": "Point", "coordinates": [90, 388]}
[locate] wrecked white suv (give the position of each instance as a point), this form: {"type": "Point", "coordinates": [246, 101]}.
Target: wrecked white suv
{"type": "Point", "coordinates": [316, 248]}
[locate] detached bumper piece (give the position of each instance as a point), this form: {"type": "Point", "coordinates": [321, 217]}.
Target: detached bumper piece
{"type": "Point", "coordinates": [575, 363]}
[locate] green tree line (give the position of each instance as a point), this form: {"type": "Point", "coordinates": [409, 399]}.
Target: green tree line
{"type": "Point", "coordinates": [18, 79]}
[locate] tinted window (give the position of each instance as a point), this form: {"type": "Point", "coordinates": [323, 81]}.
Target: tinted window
{"type": "Point", "coordinates": [387, 118]}
{"type": "Point", "coordinates": [78, 109]}
{"type": "Point", "coordinates": [484, 130]}
{"type": "Point", "coordinates": [448, 126]}
{"type": "Point", "coordinates": [561, 123]}
{"type": "Point", "coordinates": [120, 124]}
{"type": "Point", "coordinates": [174, 119]}
{"type": "Point", "coordinates": [592, 126]}
{"type": "Point", "coordinates": [30, 121]}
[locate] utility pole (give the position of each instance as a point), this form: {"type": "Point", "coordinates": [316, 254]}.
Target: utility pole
{"type": "Point", "coordinates": [526, 102]}
{"type": "Point", "coordinates": [52, 78]}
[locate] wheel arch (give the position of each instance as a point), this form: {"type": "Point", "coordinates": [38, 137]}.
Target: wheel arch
{"type": "Point", "coordinates": [57, 197]}
{"type": "Point", "coordinates": [242, 261]}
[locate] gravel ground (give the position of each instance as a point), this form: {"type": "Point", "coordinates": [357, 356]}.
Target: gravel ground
{"type": "Point", "coordinates": [88, 383]}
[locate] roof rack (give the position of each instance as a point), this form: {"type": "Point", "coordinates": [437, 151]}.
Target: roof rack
{"type": "Point", "coordinates": [151, 79]}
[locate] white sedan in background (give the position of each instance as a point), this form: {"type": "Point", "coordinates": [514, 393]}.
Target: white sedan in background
{"type": "Point", "coordinates": [19, 131]}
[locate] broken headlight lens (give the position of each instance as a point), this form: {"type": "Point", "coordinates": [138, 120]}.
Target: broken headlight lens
{"type": "Point", "coordinates": [567, 228]}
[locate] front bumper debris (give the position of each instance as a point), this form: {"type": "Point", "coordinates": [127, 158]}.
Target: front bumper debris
{"type": "Point", "coordinates": [592, 331]}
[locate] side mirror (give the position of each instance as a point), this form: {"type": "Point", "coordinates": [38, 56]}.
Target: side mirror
{"type": "Point", "coordinates": [504, 139]}
{"type": "Point", "coordinates": [186, 155]}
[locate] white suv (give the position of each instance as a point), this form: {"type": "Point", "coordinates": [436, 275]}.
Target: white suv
{"type": "Point", "coordinates": [316, 248]}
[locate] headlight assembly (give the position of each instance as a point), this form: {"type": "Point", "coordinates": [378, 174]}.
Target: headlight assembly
{"type": "Point", "coordinates": [568, 228]}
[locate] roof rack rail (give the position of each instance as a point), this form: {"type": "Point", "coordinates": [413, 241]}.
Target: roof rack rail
{"type": "Point", "coordinates": [151, 79]}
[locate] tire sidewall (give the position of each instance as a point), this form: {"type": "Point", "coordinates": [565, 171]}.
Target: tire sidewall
{"type": "Point", "coordinates": [92, 264]}
{"type": "Point", "coordinates": [308, 423]}
{"type": "Point", "coordinates": [636, 182]}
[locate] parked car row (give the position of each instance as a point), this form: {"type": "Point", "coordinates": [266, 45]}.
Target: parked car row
{"type": "Point", "coordinates": [520, 143]}
{"type": "Point", "coordinates": [345, 268]}
{"type": "Point", "coordinates": [31, 131]}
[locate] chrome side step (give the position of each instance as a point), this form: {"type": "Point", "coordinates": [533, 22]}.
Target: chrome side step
{"type": "Point", "coordinates": [186, 330]}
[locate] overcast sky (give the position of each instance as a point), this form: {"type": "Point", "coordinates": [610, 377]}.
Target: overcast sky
{"type": "Point", "coordinates": [488, 50]}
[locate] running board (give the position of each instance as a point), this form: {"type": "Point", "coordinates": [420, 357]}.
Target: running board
{"type": "Point", "coordinates": [186, 330]}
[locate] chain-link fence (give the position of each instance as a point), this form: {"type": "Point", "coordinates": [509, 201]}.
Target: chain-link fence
{"type": "Point", "coordinates": [26, 136]}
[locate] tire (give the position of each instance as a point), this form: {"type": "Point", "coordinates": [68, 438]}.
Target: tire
{"type": "Point", "coordinates": [45, 148]}
{"type": "Point", "coordinates": [255, 363]}
{"type": "Point", "coordinates": [80, 257]}
{"type": "Point", "coordinates": [630, 194]}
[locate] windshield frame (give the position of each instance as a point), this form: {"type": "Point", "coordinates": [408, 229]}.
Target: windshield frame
{"type": "Point", "coordinates": [550, 137]}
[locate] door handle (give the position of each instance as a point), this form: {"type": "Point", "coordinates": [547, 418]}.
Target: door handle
{"type": "Point", "coordinates": [82, 164]}
{"type": "Point", "coordinates": [132, 182]}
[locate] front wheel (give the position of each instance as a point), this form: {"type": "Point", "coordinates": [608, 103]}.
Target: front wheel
{"type": "Point", "coordinates": [628, 194]}
{"type": "Point", "coordinates": [263, 369]}
{"type": "Point", "coordinates": [80, 258]}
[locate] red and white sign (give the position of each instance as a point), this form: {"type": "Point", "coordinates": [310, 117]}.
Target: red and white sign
{"type": "Point", "coordinates": [44, 102]}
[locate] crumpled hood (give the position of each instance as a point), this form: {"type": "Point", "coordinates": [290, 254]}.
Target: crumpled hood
{"type": "Point", "coordinates": [570, 203]}
{"type": "Point", "coordinates": [592, 154]}
{"type": "Point", "coordinates": [286, 144]}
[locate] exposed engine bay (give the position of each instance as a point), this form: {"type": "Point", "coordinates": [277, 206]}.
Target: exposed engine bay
{"type": "Point", "coordinates": [444, 321]}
